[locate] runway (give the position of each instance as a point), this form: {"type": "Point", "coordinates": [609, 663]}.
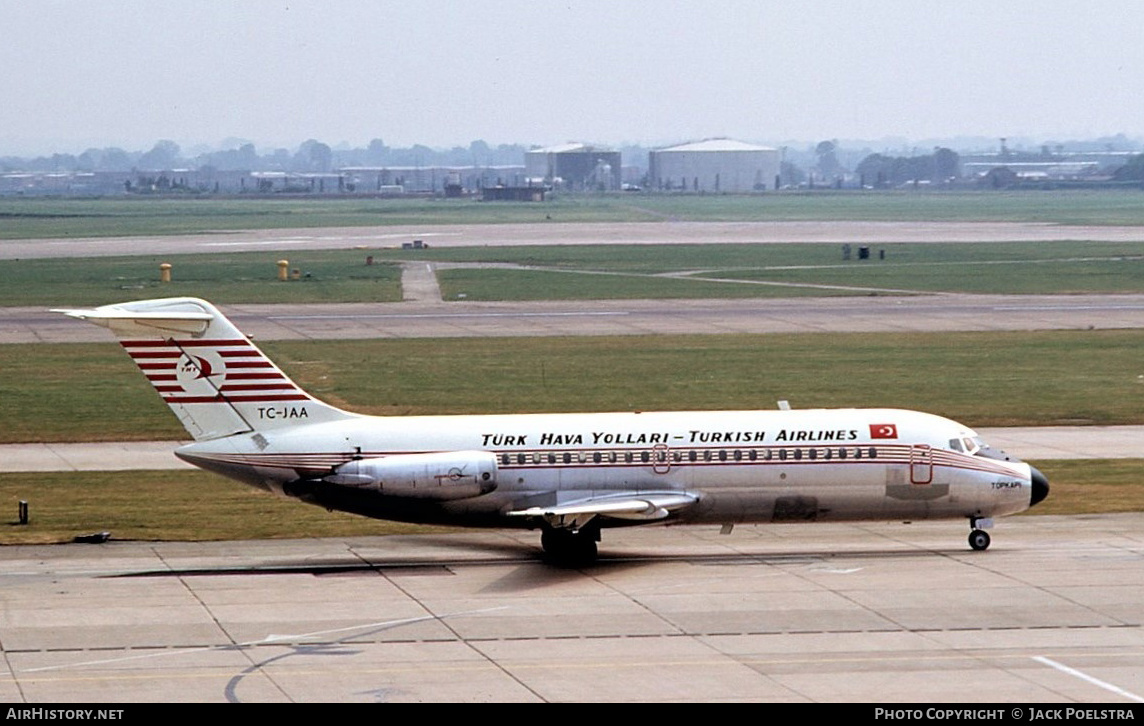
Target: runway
{"type": "Point", "coordinates": [881, 613]}
{"type": "Point", "coordinates": [568, 233]}
{"type": "Point", "coordinates": [428, 319]}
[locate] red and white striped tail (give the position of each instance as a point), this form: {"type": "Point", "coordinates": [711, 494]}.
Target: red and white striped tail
{"type": "Point", "coordinates": [215, 380]}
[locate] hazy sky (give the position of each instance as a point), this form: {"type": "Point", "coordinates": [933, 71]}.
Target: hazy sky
{"type": "Point", "coordinates": [80, 73]}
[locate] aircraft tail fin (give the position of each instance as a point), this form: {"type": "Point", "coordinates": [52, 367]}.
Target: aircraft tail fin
{"type": "Point", "coordinates": [212, 376]}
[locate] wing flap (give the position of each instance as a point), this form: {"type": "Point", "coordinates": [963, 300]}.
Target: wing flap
{"type": "Point", "coordinates": [646, 506]}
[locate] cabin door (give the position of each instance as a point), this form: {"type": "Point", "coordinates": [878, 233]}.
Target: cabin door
{"type": "Point", "coordinates": [661, 459]}
{"type": "Point", "coordinates": [921, 464]}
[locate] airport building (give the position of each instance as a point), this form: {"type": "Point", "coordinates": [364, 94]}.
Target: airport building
{"type": "Point", "coordinates": [714, 165]}
{"type": "Point", "coordinates": [383, 181]}
{"type": "Point", "coordinates": [574, 167]}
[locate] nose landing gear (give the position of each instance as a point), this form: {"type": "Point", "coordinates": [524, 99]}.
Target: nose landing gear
{"type": "Point", "coordinates": [978, 538]}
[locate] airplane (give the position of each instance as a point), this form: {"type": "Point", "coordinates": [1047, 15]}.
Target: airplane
{"type": "Point", "coordinates": [569, 475]}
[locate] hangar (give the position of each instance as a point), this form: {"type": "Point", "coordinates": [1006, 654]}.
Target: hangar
{"type": "Point", "coordinates": [714, 165]}
{"type": "Point", "coordinates": [575, 167]}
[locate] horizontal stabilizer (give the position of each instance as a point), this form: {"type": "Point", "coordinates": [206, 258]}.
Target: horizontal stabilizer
{"type": "Point", "coordinates": [124, 321]}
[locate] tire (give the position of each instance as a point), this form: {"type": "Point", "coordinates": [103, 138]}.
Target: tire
{"type": "Point", "coordinates": [979, 540]}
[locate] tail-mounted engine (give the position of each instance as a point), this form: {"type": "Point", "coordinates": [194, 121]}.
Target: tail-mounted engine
{"type": "Point", "coordinates": [447, 475]}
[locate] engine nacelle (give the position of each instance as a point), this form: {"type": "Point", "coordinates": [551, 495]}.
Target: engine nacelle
{"type": "Point", "coordinates": [447, 475]}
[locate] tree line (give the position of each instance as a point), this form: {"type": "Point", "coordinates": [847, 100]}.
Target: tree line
{"type": "Point", "coordinates": [311, 156]}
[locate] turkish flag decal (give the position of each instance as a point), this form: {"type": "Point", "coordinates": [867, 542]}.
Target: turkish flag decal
{"type": "Point", "coordinates": [883, 431]}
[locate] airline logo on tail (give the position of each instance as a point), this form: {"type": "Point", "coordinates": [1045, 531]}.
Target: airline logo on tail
{"type": "Point", "coordinates": [197, 367]}
{"type": "Point", "coordinates": [205, 371]}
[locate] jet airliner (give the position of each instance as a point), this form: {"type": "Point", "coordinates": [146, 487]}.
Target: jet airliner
{"type": "Point", "coordinates": [568, 475]}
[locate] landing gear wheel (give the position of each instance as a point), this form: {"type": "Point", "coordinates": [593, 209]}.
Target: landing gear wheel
{"type": "Point", "coordinates": [570, 549]}
{"type": "Point", "coordinates": [979, 539]}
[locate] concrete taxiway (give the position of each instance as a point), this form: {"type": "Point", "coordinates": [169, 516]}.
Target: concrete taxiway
{"type": "Point", "coordinates": [570, 233]}
{"type": "Point", "coordinates": [879, 613]}
{"type": "Point", "coordinates": [430, 319]}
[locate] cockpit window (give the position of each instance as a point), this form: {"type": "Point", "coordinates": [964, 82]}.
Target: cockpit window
{"type": "Point", "coordinates": [955, 444]}
{"type": "Point", "coordinates": [972, 446]}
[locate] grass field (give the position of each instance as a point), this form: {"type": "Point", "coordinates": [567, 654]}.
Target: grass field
{"type": "Point", "coordinates": [337, 276]}
{"type": "Point", "coordinates": [778, 270]}
{"type": "Point", "coordinates": [587, 273]}
{"type": "Point", "coordinates": [78, 392]}
{"type": "Point", "coordinates": [41, 218]}
{"type": "Point", "coordinates": [165, 505]}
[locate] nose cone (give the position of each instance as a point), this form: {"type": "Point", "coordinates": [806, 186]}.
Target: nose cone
{"type": "Point", "coordinates": [1040, 486]}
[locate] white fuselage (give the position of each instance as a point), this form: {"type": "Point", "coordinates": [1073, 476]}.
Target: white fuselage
{"type": "Point", "coordinates": [745, 466]}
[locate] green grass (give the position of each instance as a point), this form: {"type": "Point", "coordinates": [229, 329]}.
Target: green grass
{"type": "Point", "coordinates": [77, 392]}
{"type": "Point", "coordinates": [42, 218]}
{"type": "Point", "coordinates": [1092, 486]}
{"type": "Point", "coordinates": [577, 273]}
{"type": "Point", "coordinates": [488, 285]}
{"type": "Point", "coordinates": [794, 270]}
{"type": "Point", "coordinates": [1061, 277]}
{"type": "Point", "coordinates": [236, 277]}
{"type": "Point", "coordinates": [165, 505]}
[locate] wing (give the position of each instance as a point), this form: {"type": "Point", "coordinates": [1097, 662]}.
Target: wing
{"type": "Point", "coordinates": [640, 506]}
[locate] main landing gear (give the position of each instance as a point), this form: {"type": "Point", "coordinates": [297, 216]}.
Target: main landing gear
{"type": "Point", "coordinates": [978, 538]}
{"type": "Point", "coordinates": [568, 547]}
